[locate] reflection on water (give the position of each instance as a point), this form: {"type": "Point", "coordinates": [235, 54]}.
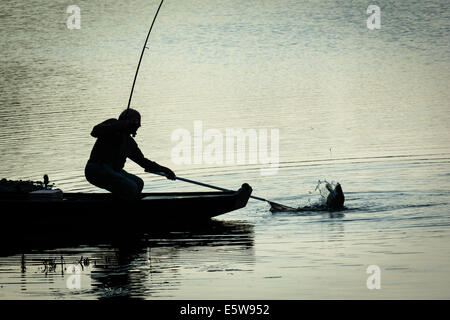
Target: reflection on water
{"type": "Point", "coordinates": [146, 266]}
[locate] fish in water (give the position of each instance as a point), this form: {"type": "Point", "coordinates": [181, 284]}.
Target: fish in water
{"type": "Point", "coordinates": [336, 198]}
{"type": "Point", "coordinates": [334, 202]}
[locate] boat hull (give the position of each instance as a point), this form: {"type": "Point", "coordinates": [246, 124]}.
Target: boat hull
{"type": "Point", "coordinates": [100, 211]}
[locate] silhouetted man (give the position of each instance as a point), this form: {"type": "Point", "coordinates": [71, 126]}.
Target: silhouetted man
{"type": "Point", "coordinates": [113, 146]}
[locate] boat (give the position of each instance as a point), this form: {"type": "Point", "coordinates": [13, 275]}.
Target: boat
{"type": "Point", "coordinates": [100, 211]}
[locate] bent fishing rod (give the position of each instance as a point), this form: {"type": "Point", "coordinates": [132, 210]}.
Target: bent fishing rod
{"type": "Point", "coordinates": [142, 54]}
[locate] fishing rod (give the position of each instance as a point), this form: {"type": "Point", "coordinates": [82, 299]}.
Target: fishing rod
{"type": "Point", "coordinates": [142, 53]}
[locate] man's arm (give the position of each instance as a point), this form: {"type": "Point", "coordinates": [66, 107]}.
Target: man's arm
{"type": "Point", "coordinates": [108, 127]}
{"type": "Point", "coordinates": [137, 156]}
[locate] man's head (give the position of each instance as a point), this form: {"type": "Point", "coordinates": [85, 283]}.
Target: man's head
{"type": "Point", "coordinates": [134, 119]}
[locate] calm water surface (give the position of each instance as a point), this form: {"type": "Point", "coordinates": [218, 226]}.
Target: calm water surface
{"type": "Point", "coordinates": [367, 108]}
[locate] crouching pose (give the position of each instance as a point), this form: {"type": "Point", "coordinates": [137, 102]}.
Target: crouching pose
{"type": "Point", "coordinates": [114, 145]}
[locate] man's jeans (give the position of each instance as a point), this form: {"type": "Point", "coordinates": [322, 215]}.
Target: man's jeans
{"type": "Point", "coordinates": [121, 184]}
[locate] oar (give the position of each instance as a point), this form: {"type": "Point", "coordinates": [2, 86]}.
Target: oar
{"type": "Point", "coordinates": [274, 205]}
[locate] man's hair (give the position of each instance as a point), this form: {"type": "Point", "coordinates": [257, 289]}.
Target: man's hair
{"type": "Point", "coordinates": [128, 114]}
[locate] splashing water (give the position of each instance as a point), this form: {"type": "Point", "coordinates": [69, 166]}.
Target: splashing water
{"type": "Point", "coordinates": [322, 189]}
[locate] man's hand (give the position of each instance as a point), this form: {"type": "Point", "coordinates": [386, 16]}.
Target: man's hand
{"type": "Point", "coordinates": [169, 173]}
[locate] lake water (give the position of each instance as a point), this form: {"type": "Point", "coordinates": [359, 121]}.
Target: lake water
{"type": "Point", "coordinates": [366, 108]}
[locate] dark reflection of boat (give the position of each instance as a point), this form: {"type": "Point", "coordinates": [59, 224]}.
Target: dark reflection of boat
{"type": "Point", "coordinates": [80, 232]}
{"type": "Point", "coordinates": [145, 265]}
{"type": "Point", "coordinates": [157, 266]}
